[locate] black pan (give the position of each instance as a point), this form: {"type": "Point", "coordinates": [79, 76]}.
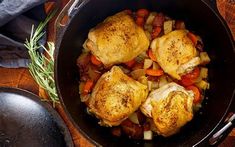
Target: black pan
{"type": "Point", "coordinates": [26, 121]}
{"type": "Point", "coordinates": [200, 16]}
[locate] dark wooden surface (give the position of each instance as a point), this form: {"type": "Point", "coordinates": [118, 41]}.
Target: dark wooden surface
{"type": "Point", "coordinates": [21, 77]}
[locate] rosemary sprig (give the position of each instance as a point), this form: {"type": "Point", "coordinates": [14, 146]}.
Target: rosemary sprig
{"type": "Point", "coordinates": [41, 67]}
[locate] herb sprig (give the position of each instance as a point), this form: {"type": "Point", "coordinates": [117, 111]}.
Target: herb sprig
{"type": "Point", "coordinates": [42, 67]}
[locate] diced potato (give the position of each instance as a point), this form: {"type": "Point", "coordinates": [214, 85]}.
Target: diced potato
{"type": "Point", "coordinates": [153, 44]}
{"type": "Point", "coordinates": [204, 72]}
{"type": "Point", "coordinates": [162, 81]}
{"type": "Point", "coordinates": [155, 85]}
{"type": "Point", "coordinates": [203, 85]}
{"type": "Point", "coordinates": [138, 73]}
{"type": "Point", "coordinates": [148, 28]}
{"type": "Point", "coordinates": [205, 59]}
{"type": "Point", "coordinates": [150, 18]}
{"type": "Point", "coordinates": [148, 135]}
{"type": "Point", "coordinates": [147, 63]}
{"type": "Point", "coordinates": [143, 80]}
{"type": "Point", "coordinates": [155, 66]}
{"type": "Point", "coordinates": [134, 118]}
{"type": "Point", "coordinates": [150, 85]}
{"type": "Point", "coordinates": [168, 26]}
{"type": "Point", "coordinates": [147, 33]}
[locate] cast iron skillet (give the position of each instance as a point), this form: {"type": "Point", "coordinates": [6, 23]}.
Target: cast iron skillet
{"type": "Point", "coordinates": [199, 16]}
{"type": "Point", "coordinates": [26, 121]}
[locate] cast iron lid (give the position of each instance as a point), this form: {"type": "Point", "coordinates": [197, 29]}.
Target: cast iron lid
{"type": "Point", "coordinates": [27, 121]}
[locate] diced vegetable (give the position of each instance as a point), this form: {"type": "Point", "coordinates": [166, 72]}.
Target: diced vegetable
{"type": "Point", "coordinates": [148, 28]}
{"type": "Point", "coordinates": [156, 32]}
{"type": "Point", "coordinates": [132, 130]}
{"type": "Point", "coordinates": [143, 80]}
{"type": "Point", "coordinates": [130, 63]}
{"type": "Point", "coordinates": [158, 20]}
{"type": "Point", "coordinates": [155, 66]}
{"type": "Point", "coordinates": [148, 135]}
{"type": "Point", "coordinates": [168, 26]}
{"type": "Point", "coordinates": [150, 18]}
{"type": "Point", "coordinates": [204, 72]}
{"type": "Point", "coordinates": [193, 38]}
{"type": "Point", "coordinates": [93, 73]}
{"type": "Point", "coordinates": [138, 73]}
{"type": "Point", "coordinates": [150, 85]}
{"type": "Point", "coordinates": [148, 34]}
{"type": "Point", "coordinates": [141, 57]}
{"type": "Point", "coordinates": [116, 131]}
{"type": "Point", "coordinates": [152, 72]}
{"type": "Point", "coordinates": [140, 21]}
{"type": "Point", "coordinates": [151, 55]}
{"type": "Point", "coordinates": [153, 44]}
{"type": "Point", "coordinates": [197, 95]}
{"type": "Point", "coordinates": [95, 61]}
{"type": "Point", "coordinates": [134, 118]}
{"type": "Point", "coordinates": [190, 78]}
{"type": "Point", "coordinates": [138, 66]}
{"type": "Point", "coordinates": [85, 97]}
{"type": "Point", "coordinates": [205, 59]}
{"type": "Point", "coordinates": [179, 25]}
{"type": "Point", "coordinates": [155, 85]}
{"type": "Point", "coordinates": [142, 13]}
{"type": "Point", "coordinates": [87, 87]}
{"type": "Point", "coordinates": [147, 63]}
{"type": "Point", "coordinates": [162, 81]}
{"type": "Point", "coordinates": [203, 85]}
{"type": "Point", "coordinates": [82, 61]}
{"type": "Point", "coordinates": [125, 70]}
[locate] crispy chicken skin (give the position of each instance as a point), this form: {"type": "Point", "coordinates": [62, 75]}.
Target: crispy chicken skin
{"type": "Point", "coordinates": [117, 40]}
{"type": "Point", "coordinates": [115, 96]}
{"type": "Point", "coordinates": [170, 107]}
{"type": "Point", "coordinates": [173, 52]}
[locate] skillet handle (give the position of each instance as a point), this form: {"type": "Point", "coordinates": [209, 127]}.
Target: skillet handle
{"type": "Point", "coordinates": [224, 131]}
{"type": "Point", "coordinates": [64, 17]}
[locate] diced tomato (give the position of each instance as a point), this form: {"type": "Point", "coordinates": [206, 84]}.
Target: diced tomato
{"type": "Point", "coordinates": [132, 130]}
{"type": "Point", "coordinates": [87, 87]}
{"type": "Point", "coordinates": [130, 63]}
{"type": "Point", "coordinates": [140, 21]}
{"type": "Point", "coordinates": [156, 32]}
{"type": "Point", "coordinates": [190, 78]}
{"type": "Point", "coordinates": [142, 13]}
{"type": "Point", "coordinates": [95, 61]}
{"type": "Point", "coordinates": [197, 95]}
{"type": "Point", "coordinates": [192, 37]}
{"type": "Point", "coordinates": [158, 20]}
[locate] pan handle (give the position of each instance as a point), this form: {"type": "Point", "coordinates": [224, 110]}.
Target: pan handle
{"type": "Point", "coordinates": [223, 132]}
{"type": "Point", "coordinates": [64, 17]}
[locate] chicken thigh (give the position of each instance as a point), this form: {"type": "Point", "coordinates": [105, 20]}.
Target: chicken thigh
{"type": "Point", "coordinates": [175, 53]}
{"type": "Point", "coordinates": [170, 106]}
{"type": "Point", "coordinates": [116, 96]}
{"type": "Point", "coordinates": [117, 39]}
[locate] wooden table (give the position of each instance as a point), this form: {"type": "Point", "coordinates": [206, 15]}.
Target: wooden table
{"type": "Point", "coordinates": [21, 78]}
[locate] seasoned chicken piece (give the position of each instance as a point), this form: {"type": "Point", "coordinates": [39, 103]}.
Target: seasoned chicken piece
{"type": "Point", "coordinates": [170, 106]}
{"type": "Point", "coordinates": [116, 96]}
{"type": "Point", "coordinates": [117, 39]}
{"type": "Point", "coordinates": [173, 51]}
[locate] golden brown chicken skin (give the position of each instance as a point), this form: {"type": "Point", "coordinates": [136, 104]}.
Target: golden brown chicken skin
{"type": "Point", "coordinates": [117, 40]}
{"type": "Point", "coordinates": [175, 53]}
{"type": "Point", "coordinates": [170, 107]}
{"type": "Point", "coordinates": [116, 96]}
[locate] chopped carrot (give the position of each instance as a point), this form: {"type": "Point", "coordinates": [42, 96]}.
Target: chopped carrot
{"type": "Point", "coordinates": [190, 78]}
{"type": "Point", "coordinates": [192, 37]}
{"type": "Point", "coordinates": [130, 63]}
{"type": "Point", "coordinates": [156, 32]}
{"type": "Point", "coordinates": [197, 95]}
{"type": "Point", "coordinates": [151, 55]}
{"type": "Point", "coordinates": [154, 72]}
{"type": "Point", "coordinates": [95, 61]}
{"type": "Point", "coordinates": [140, 21]}
{"type": "Point", "coordinates": [142, 13]}
{"type": "Point", "coordinates": [87, 87]}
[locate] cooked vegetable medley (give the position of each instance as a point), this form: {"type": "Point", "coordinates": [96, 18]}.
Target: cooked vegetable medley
{"type": "Point", "coordinates": [142, 74]}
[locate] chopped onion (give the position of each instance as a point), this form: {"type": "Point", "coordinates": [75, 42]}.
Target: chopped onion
{"type": "Point", "coordinates": [148, 135]}
{"type": "Point", "coordinates": [134, 118]}
{"type": "Point", "coordinates": [147, 63]}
